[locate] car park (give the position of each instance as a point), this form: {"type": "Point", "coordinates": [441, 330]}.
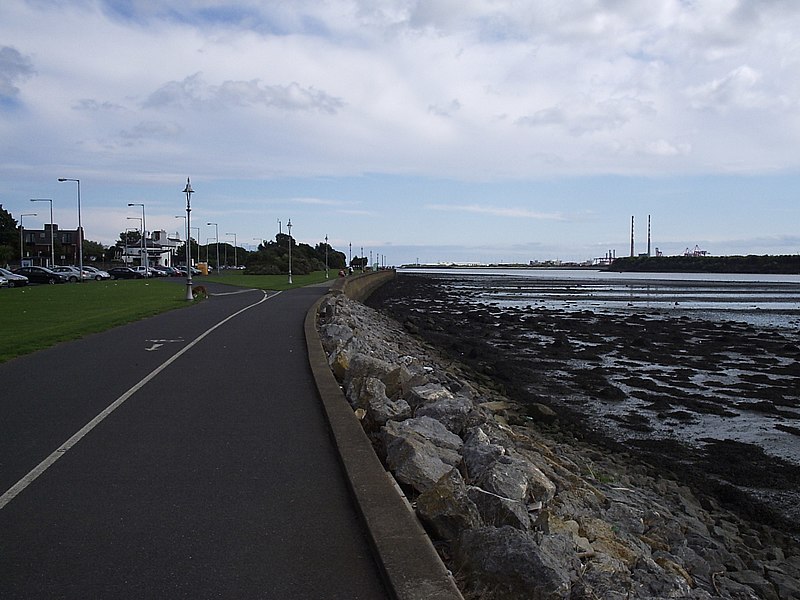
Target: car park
{"type": "Point", "coordinates": [13, 279]}
{"type": "Point", "coordinates": [95, 273]}
{"type": "Point", "coordinates": [125, 273]}
{"type": "Point", "coordinates": [41, 275]}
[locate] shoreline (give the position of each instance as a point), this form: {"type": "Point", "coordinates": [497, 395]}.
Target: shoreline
{"type": "Point", "coordinates": [648, 400]}
{"type": "Point", "coordinates": [519, 507]}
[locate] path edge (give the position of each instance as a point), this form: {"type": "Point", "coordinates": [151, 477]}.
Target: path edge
{"type": "Point", "coordinates": [409, 564]}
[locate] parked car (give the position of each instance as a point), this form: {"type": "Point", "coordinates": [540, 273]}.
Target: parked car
{"type": "Point", "coordinates": [143, 271]}
{"type": "Point", "coordinates": [125, 273]}
{"type": "Point", "coordinates": [163, 271]}
{"type": "Point", "coordinates": [95, 273]}
{"type": "Point", "coordinates": [72, 274]}
{"type": "Point", "coordinates": [3, 282]}
{"type": "Point", "coordinates": [41, 275]}
{"type": "Point", "coordinates": [13, 279]}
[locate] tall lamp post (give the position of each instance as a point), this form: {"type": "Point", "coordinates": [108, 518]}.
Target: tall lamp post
{"type": "Point", "coordinates": [216, 240]}
{"type": "Point", "coordinates": [235, 259]}
{"type": "Point", "coordinates": [80, 228]}
{"type": "Point", "coordinates": [189, 191]}
{"type": "Point", "coordinates": [52, 239]}
{"type": "Point", "coordinates": [144, 234]}
{"type": "Point", "coordinates": [289, 227]}
{"type": "Point", "coordinates": [326, 256]}
{"type": "Point", "coordinates": [21, 229]}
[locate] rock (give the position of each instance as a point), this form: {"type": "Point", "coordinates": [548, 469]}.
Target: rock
{"type": "Point", "coordinates": [379, 408]}
{"type": "Point", "coordinates": [446, 508]}
{"type": "Point", "coordinates": [755, 581]}
{"type": "Point", "coordinates": [479, 453]}
{"type": "Point", "coordinates": [451, 412]}
{"type": "Point", "coordinates": [498, 511]}
{"type": "Point", "coordinates": [542, 414]}
{"type": "Point", "coordinates": [511, 563]}
{"type": "Point", "coordinates": [428, 393]}
{"type": "Point", "coordinates": [420, 451]}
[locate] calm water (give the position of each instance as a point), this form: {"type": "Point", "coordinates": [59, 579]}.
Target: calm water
{"type": "Point", "coordinates": [760, 300]}
{"type": "Point", "coordinates": [765, 302]}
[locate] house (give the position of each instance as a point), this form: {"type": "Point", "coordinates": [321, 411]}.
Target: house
{"type": "Point", "coordinates": [65, 242]}
{"type": "Point", "coordinates": [160, 248]}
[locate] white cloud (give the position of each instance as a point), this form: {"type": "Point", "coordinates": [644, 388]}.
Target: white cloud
{"type": "Point", "coordinates": [498, 211]}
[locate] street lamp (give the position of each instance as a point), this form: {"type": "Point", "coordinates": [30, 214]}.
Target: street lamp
{"type": "Point", "coordinates": [289, 227]}
{"type": "Point", "coordinates": [80, 228]}
{"type": "Point", "coordinates": [362, 259]}
{"type": "Point", "coordinates": [21, 228]}
{"type": "Point", "coordinates": [216, 241]}
{"type": "Point", "coordinates": [189, 191]}
{"type": "Point", "coordinates": [326, 256]}
{"type": "Point", "coordinates": [144, 233]}
{"type": "Point", "coordinates": [52, 239]}
{"type": "Point", "coordinates": [235, 260]}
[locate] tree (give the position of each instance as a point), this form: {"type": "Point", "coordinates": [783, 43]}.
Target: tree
{"type": "Point", "coordinates": [9, 237]}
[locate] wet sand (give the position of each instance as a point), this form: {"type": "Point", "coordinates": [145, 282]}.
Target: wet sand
{"type": "Point", "coordinates": [713, 403]}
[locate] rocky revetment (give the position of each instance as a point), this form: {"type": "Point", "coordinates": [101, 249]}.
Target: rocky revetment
{"type": "Point", "coordinates": [520, 509]}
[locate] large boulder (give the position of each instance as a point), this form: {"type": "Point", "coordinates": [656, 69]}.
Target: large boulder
{"type": "Point", "coordinates": [446, 509]}
{"type": "Point", "coordinates": [498, 511]}
{"type": "Point", "coordinates": [378, 406]}
{"type": "Point", "coordinates": [420, 451]}
{"type": "Point", "coordinates": [428, 394]}
{"type": "Point", "coordinates": [479, 453]}
{"type": "Point", "coordinates": [451, 412]}
{"type": "Point", "coordinates": [512, 564]}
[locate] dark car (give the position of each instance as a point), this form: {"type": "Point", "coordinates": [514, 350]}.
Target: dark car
{"type": "Point", "coordinates": [41, 275]}
{"type": "Point", "coordinates": [124, 273]}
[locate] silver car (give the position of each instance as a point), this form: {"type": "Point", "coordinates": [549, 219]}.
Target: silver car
{"type": "Point", "coordinates": [95, 273]}
{"type": "Point", "coordinates": [12, 279]}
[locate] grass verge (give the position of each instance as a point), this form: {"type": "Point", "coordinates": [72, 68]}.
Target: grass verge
{"type": "Point", "coordinates": [40, 316]}
{"type": "Point", "coordinates": [36, 317]}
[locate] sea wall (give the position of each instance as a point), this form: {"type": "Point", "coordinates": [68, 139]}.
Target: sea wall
{"type": "Point", "coordinates": [515, 512]}
{"type": "Point", "coordinates": [359, 287]}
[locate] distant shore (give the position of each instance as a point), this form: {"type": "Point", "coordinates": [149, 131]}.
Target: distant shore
{"type": "Point", "coordinates": [751, 264]}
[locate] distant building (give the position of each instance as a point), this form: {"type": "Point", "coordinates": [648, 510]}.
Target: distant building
{"type": "Point", "coordinates": [160, 250]}
{"type": "Point", "coordinates": [36, 245]}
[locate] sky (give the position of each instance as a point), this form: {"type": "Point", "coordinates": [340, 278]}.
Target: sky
{"type": "Point", "coordinates": [430, 131]}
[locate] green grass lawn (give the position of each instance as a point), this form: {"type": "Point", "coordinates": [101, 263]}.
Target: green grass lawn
{"type": "Point", "coordinates": [39, 316]}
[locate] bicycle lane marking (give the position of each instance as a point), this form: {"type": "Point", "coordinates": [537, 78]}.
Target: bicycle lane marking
{"type": "Point", "coordinates": [48, 462]}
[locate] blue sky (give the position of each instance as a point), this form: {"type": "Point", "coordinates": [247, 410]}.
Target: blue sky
{"type": "Point", "coordinates": [469, 130]}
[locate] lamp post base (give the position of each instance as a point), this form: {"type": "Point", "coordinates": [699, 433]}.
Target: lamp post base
{"type": "Point", "coordinates": [189, 294]}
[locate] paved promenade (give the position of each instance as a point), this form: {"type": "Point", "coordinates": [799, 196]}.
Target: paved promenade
{"type": "Point", "coordinates": [183, 456]}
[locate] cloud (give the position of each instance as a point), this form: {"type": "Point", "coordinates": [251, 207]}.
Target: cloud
{"type": "Point", "coordinates": [193, 92]}
{"type": "Point", "coordinates": [497, 211]}
{"type": "Point", "coordinates": [14, 67]}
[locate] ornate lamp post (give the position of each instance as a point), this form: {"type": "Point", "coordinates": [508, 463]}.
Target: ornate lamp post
{"type": "Point", "coordinates": [52, 239]}
{"type": "Point", "coordinates": [188, 191]}
{"type": "Point", "coordinates": [80, 228]}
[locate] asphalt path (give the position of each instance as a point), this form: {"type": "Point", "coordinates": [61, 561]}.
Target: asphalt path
{"type": "Point", "coordinates": [214, 476]}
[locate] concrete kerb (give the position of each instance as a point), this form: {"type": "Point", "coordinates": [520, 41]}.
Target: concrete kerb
{"type": "Point", "coordinates": [409, 563]}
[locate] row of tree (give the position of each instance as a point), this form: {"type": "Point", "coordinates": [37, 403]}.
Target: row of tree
{"type": "Point", "coordinates": [760, 264]}
{"type": "Point", "coordinates": [272, 257]}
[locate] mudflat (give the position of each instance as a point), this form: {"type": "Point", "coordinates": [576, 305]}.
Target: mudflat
{"type": "Point", "coordinates": [713, 402]}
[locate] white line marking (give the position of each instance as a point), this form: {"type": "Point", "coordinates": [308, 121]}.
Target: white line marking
{"type": "Point", "coordinates": [77, 437]}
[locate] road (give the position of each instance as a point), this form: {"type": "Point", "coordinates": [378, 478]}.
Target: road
{"type": "Point", "coordinates": [210, 475]}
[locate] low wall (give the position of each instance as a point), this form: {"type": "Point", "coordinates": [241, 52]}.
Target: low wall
{"type": "Point", "coordinates": [359, 287]}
